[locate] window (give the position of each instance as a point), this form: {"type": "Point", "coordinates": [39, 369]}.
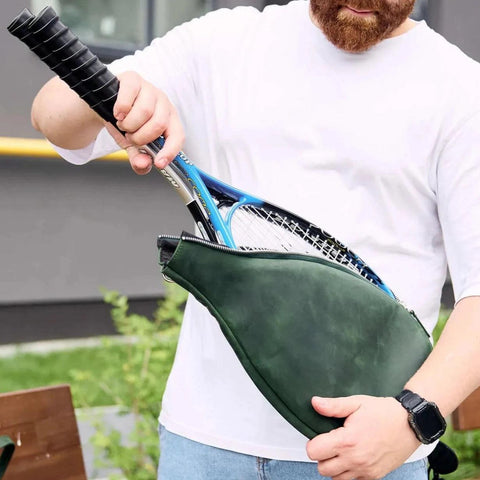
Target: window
{"type": "Point", "coordinates": [112, 28]}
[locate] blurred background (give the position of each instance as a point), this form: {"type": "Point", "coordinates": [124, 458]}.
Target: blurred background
{"type": "Point", "coordinates": [66, 231]}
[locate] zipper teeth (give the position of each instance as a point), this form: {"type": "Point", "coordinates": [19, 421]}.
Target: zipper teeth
{"type": "Point", "coordinates": [224, 248]}
{"type": "Point", "coordinates": [202, 241]}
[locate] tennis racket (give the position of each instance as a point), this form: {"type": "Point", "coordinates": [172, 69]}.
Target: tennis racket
{"type": "Point", "coordinates": [222, 213]}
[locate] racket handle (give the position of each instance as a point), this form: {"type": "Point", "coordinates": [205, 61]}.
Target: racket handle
{"type": "Point", "coordinates": [19, 25]}
{"type": "Point", "coordinates": [20, 29]}
{"type": "Point", "coordinates": [70, 59]}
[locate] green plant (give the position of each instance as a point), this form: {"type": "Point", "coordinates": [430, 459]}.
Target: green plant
{"type": "Point", "coordinates": [143, 371]}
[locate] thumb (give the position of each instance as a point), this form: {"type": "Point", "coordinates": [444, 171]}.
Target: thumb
{"type": "Point", "coordinates": [141, 162]}
{"type": "Point", "coordinates": [340, 407]}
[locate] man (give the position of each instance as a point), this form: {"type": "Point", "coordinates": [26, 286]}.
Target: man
{"type": "Point", "coordinates": [370, 122]}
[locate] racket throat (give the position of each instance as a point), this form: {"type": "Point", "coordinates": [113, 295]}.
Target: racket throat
{"type": "Point", "coordinates": [207, 231]}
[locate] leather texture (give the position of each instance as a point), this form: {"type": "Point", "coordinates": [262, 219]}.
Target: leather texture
{"type": "Point", "coordinates": [301, 326]}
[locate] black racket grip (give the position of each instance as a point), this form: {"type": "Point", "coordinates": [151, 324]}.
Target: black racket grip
{"type": "Point", "coordinates": [19, 25]}
{"type": "Point", "coordinates": [95, 78]}
{"type": "Point", "coordinates": [69, 58]}
{"type": "Point", "coordinates": [20, 28]}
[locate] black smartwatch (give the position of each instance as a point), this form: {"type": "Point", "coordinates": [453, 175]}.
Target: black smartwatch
{"type": "Point", "coordinates": [424, 417]}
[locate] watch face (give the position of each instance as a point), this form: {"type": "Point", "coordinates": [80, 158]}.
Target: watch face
{"type": "Point", "coordinates": [429, 422]}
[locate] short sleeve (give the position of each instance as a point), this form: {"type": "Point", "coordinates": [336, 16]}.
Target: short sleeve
{"type": "Point", "coordinates": [458, 190]}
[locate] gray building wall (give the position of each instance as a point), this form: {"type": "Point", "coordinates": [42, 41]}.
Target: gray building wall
{"type": "Point", "coordinates": [64, 230]}
{"type": "Point", "coordinates": [68, 230]}
{"type": "Point", "coordinates": [458, 21]}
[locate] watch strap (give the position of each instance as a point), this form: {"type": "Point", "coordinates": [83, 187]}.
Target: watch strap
{"type": "Point", "coordinates": [409, 399]}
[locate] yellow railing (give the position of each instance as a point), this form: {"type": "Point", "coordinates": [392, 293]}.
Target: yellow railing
{"type": "Point", "coordinates": [36, 147]}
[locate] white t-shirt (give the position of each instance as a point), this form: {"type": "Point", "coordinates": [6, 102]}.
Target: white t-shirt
{"type": "Point", "coordinates": [379, 148]}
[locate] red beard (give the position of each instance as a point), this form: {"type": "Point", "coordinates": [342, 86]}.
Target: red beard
{"type": "Point", "coordinates": [357, 33]}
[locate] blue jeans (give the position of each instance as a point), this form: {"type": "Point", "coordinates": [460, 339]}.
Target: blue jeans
{"type": "Point", "coordinates": [182, 459]}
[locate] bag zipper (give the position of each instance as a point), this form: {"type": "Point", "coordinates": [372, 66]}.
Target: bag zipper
{"type": "Point", "coordinates": [192, 238]}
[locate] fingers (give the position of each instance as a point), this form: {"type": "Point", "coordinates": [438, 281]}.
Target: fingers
{"type": "Point", "coordinates": [327, 445]}
{"type": "Point", "coordinates": [340, 407]}
{"type": "Point", "coordinates": [333, 468]}
{"type": "Point", "coordinates": [129, 88]}
{"type": "Point", "coordinates": [122, 142]}
{"type": "Point", "coordinates": [149, 110]}
{"type": "Point", "coordinates": [346, 476]}
{"type": "Point", "coordinates": [145, 113]}
{"type": "Point", "coordinates": [174, 138]}
{"type": "Point", "coordinates": [335, 455]}
{"type": "Point", "coordinates": [141, 162]}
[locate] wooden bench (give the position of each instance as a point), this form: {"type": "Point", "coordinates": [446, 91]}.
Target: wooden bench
{"type": "Point", "coordinates": [467, 415]}
{"type": "Point", "coordinates": [43, 426]}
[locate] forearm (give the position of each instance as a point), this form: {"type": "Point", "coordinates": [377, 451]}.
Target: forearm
{"type": "Point", "coordinates": [451, 371]}
{"type": "Point", "coordinates": [63, 117]}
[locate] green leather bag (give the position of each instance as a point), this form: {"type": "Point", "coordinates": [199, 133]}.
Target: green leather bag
{"type": "Point", "coordinates": [300, 325]}
{"type": "Point", "coordinates": [7, 447]}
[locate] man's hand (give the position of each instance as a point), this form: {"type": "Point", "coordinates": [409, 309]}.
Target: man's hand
{"type": "Point", "coordinates": [144, 113]}
{"type": "Point", "coordinates": [375, 439]}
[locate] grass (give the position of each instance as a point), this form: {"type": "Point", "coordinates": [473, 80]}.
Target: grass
{"type": "Point", "coordinates": [31, 370]}
{"type": "Point", "coordinates": [466, 445]}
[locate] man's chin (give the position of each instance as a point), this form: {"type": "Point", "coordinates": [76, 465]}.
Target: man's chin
{"type": "Point", "coordinates": [353, 39]}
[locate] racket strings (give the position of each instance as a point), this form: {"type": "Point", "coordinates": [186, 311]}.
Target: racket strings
{"type": "Point", "coordinates": [257, 228]}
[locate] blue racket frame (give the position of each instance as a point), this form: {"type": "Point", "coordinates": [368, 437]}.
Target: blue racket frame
{"type": "Point", "coordinates": [198, 183]}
